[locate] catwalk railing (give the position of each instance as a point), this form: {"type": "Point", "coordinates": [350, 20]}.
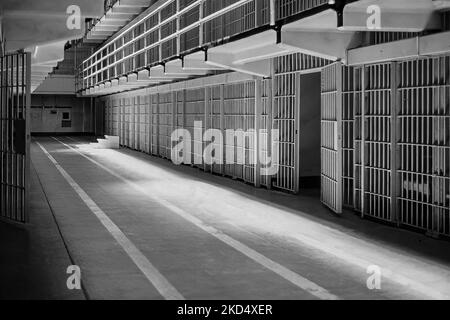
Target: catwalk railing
{"type": "Point", "coordinates": [171, 29]}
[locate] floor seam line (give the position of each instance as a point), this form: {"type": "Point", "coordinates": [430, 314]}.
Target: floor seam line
{"type": "Point", "coordinates": [152, 274]}
{"type": "Point", "coordinates": [72, 260]}
{"type": "Point", "coordinates": [275, 267]}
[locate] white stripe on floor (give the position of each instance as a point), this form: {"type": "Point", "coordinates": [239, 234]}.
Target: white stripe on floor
{"type": "Point", "coordinates": [150, 272]}
{"type": "Point", "coordinates": [275, 267]}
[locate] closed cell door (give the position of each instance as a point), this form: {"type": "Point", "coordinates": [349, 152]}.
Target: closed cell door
{"type": "Point", "coordinates": [331, 144]}
{"type": "Point", "coordinates": [14, 135]}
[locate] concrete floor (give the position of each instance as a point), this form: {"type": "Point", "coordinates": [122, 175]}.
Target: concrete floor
{"type": "Point", "coordinates": [169, 229]}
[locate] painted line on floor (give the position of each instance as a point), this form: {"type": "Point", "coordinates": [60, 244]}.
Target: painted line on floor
{"type": "Point", "coordinates": [273, 266]}
{"type": "Point", "coordinates": [161, 284]}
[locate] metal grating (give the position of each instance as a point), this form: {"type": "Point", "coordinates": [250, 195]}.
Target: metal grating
{"type": "Point", "coordinates": [239, 115]}
{"type": "Point", "coordinates": [213, 121]}
{"type": "Point", "coordinates": [165, 123]}
{"type": "Point", "coordinates": [265, 128]}
{"type": "Point", "coordinates": [195, 111]}
{"type": "Point", "coordinates": [287, 8]}
{"type": "Point", "coordinates": [378, 37]}
{"type": "Point", "coordinates": [144, 124]}
{"type": "Point", "coordinates": [114, 128]}
{"type": "Point", "coordinates": [121, 123]}
{"type": "Point", "coordinates": [127, 120]}
{"type": "Point", "coordinates": [351, 104]}
{"type": "Point", "coordinates": [15, 79]}
{"type": "Point", "coordinates": [377, 146]}
{"type": "Point", "coordinates": [424, 144]}
{"type": "Point", "coordinates": [284, 121]}
{"type": "Point", "coordinates": [107, 118]}
{"type": "Point", "coordinates": [393, 159]}
{"type": "Point", "coordinates": [331, 145]}
{"type": "Point", "coordinates": [135, 123]}
{"type": "Point", "coordinates": [154, 99]}
{"type": "Point", "coordinates": [223, 106]}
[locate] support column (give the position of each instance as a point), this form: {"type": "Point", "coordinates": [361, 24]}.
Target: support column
{"type": "Point", "coordinates": [394, 135]}
{"type": "Point", "coordinates": [174, 118]}
{"type": "Point", "coordinates": [363, 139]}
{"type": "Point", "coordinates": [297, 146]}
{"type": "Point", "coordinates": [222, 129]}
{"type": "Point", "coordinates": [27, 111]}
{"type": "Point", "coordinates": [206, 121]}
{"type": "Point", "coordinates": [157, 124]}
{"type": "Point", "coordinates": [270, 113]}
{"type": "Point", "coordinates": [148, 106]}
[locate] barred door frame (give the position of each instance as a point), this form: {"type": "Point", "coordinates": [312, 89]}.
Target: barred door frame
{"type": "Point", "coordinates": [332, 197]}
{"type": "Point", "coordinates": [15, 99]}
{"type": "Point", "coordinates": [298, 132]}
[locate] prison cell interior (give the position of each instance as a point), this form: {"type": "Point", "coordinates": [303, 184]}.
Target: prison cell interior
{"type": "Point", "coordinates": [285, 105]}
{"type": "Point", "coordinates": [308, 109]}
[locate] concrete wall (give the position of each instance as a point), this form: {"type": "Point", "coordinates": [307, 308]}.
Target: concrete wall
{"type": "Point", "coordinates": [47, 113]}
{"type": "Point", "coordinates": [57, 84]}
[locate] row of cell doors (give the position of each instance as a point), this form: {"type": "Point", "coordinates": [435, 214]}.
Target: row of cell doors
{"type": "Point", "coordinates": [15, 85]}
{"type": "Point", "coordinates": [127, 121]}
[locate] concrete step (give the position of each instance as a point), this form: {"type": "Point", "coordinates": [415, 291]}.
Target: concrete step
{"type": "Point", "coordinates": [110, 142]}
{"type": "Point", "coordinates": [104, 144]}
{"type": "Point", "coordinates": [113, 141]}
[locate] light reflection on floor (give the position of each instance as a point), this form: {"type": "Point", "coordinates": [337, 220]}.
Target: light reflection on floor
{"type": "Point", "coordinates": [215, 204]}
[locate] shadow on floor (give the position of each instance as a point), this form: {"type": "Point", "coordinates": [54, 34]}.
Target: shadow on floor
{"type": "Point", "coordinates": [307, 203]}
{"type": "Point", "coordinates": [33, 258]}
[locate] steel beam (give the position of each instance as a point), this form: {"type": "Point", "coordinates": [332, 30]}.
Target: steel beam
{"type": "Point", "coordinates": [428, 45]}
{"type": "Point", "coordinates": [331, 45]}
{"type": "Point", "coordinates": [175, 67]}
{"type": "Point", "coordinates": [196, 61]}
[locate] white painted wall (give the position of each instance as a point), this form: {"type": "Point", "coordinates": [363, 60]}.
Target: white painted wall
{"type": "Point", "coordinates": [57, 84]}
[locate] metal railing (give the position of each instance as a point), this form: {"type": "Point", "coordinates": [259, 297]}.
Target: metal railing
{"type": "Point", "coordinates": [170, 29]}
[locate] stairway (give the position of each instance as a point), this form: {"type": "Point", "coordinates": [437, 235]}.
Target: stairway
{"type": "Point", "coordinates": [110, 142]}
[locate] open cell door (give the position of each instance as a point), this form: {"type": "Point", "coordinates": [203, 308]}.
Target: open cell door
{"type": "Point", "coordinates": [331, 140]}
{"type": "Point", "coordinates": [15, 83]}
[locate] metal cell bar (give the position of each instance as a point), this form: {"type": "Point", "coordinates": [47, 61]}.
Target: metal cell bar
{"type": "Point", "coordinates": [14, 135]}
{"type": "Point", "coordinates": [423, 167]}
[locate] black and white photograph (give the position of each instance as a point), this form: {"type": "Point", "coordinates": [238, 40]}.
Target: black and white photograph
{"type": "Point", "coordinates": [224, 159]}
